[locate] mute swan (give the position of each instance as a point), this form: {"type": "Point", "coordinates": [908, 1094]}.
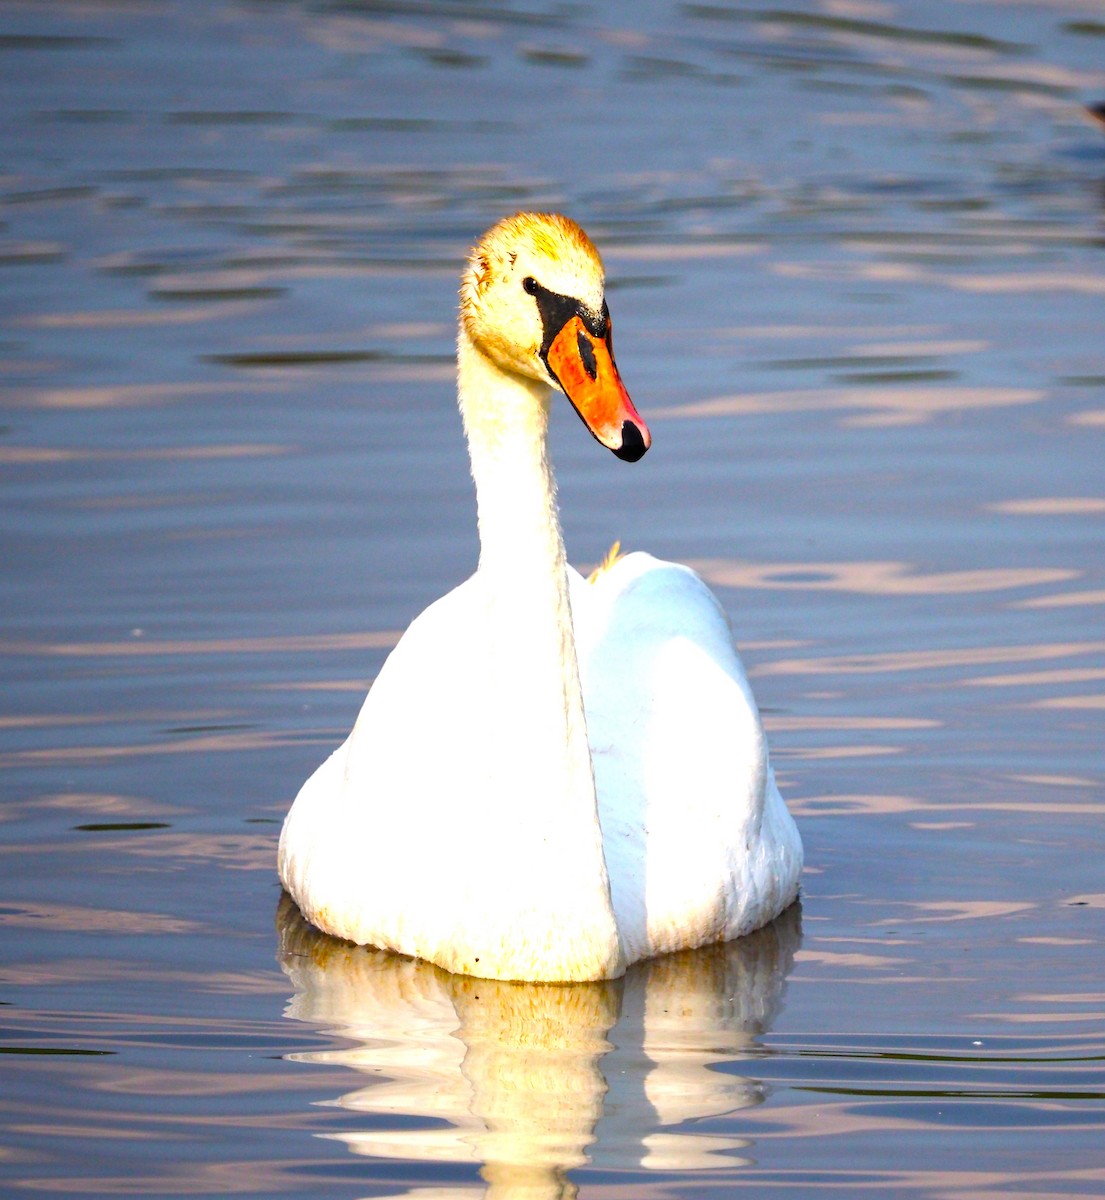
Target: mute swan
{"type": "Point", "coordinates": [550, 778]}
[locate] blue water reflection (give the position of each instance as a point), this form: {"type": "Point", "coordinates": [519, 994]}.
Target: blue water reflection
{"type": "Point", "coordinates": [854, 253]}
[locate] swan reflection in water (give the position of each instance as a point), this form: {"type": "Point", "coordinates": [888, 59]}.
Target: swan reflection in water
{"type": "Point", "coordinates": [532, 1080]}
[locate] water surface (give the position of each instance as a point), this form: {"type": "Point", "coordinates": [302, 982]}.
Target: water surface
{"type": "Point", "coordinates": [855, 259]}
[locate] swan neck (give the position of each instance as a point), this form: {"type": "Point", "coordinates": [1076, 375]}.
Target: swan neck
{"type": "Point", "coordinates": [534, 702]}
{"type": "Point", "coordinates": [522, 559]}
{"type": "Point", "coordinates": [506, 420]}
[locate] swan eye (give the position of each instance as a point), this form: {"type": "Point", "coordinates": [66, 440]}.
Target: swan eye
{"type": "Point", "coordinates": [529, 284]}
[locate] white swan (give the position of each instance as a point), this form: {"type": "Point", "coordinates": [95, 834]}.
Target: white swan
{"type": "Point", "coordinates": [550, 778]}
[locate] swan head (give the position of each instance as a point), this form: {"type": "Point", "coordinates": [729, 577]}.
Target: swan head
{"type": "Point", "coordinates": [532, 299]}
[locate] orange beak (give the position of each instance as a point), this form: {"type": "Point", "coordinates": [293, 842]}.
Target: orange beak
{"type": "Point", "coordinates": [584, 367]}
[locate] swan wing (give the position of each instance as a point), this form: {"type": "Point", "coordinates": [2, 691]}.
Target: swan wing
{"type": "Point", "coordinates": [698, 842]}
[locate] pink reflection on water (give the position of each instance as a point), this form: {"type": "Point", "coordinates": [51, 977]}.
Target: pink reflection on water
{"type": "Point", "coordinates": [128, 318]}
{"type": "Point", "coordinates": [942, 911]}
{"type": "Point", "coordinates": [1039, 678]}
{"type": "Point", "coordinates": [880, 406]}
{"type": "Point", "coordinates": [1093, 702]}
{"type": "Point", "coordinates": [139, 646]}
{"type": "Point", "coordinates": [927, 660]}
{"type": "Point", "coordinates": [872, 578]}
{"type": "Point", "coordinates": [131, 395]}
{"type": "Point", "coordinates": [235, 741]}
{"type": "Point", "coordinates": [34, 455]}
{"type": "Point", "coordinates": [74, 918]}
{"type": "Point", "coordinates": [886, 805]}
{"type": "Point", "coordinates": [1050, 506]}
{"type": "Point", "coordinates": [1062, 600]}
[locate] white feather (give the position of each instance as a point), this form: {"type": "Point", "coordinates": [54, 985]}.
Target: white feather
{"type": "Point", "coordinates": [550, 778]}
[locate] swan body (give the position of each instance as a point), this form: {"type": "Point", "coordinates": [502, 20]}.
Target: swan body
{"type": "Point", "coordinates": [550, 778]}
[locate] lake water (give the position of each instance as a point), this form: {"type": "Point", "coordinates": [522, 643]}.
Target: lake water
{"type": "Point", "coordinates": [856, 259]}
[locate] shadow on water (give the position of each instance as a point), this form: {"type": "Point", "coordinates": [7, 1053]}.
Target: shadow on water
{"type": "Point", "coordinates": [531, 1082]}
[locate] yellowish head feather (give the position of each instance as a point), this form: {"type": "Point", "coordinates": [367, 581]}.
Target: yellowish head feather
{"type": "Point", "coordinates": [498, 314]}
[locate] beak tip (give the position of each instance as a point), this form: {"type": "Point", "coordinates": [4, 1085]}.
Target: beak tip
{"type": "Point", "coordinates": [636, 439]}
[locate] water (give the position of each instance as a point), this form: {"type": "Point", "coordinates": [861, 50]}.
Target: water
{"type": "Point", "coordinates": [855, 255]}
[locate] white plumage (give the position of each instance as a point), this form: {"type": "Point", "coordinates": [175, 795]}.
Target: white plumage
{"type": "Point", "coordinates": [550, 778]}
